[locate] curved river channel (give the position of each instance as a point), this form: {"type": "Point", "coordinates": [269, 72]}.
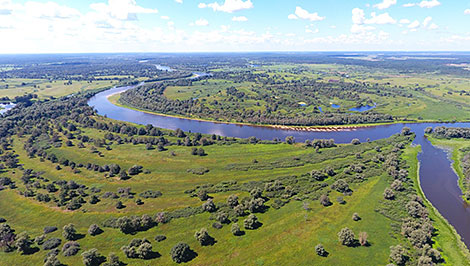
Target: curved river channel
{"type": "Point", "coordinates": [438, 180]}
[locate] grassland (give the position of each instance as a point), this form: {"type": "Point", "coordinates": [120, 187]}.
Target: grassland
{"type": "Point", "coordinates": [288, 234]}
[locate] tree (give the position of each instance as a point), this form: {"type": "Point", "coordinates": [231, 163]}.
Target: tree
{"type": "Point", "coordinates": [70, 248]}
{"type": "Point", "coordinates": [355, 142]}
{"type": "Point", "coordinates": [69, 232]}
{"type": "Point", "coordinates": [203, 237]}
{"type": "Point", "coordinates": [209, 206]}
{"type": "Point", "coordinates": [397, 185]}
{"type": "Point", "coordinates": [201, 152]}
{"type": "Point", "coordinates": [325, 200]}
{"type": "Point", "coordinates": [145, 251]}
{"type": "Point", "coordinates": [52, 260]}
{"type": "Point", "coordinates": [23, 243]}
{"type": "Point", "coordinates": [94, 230]}
{"type": "Point", "coordinates": [290, 140]}
{"type": "Point", "coordinates": [92, 257]}
{"type": "Point", "coordinates": [320, 250]}
{"type": "Point", "coordinates": [235, 229]}
{"type": "Point", "coordinates": [256, 193]}
{"type": "Point", "coordinates": [356, 217]}
{"type": "Point", "coordinates": [406, 131]}
{"type": "Point", "coordinates": [251, 222]}
{"type": "Point", "coordinates": [202, 195]}
{"type": "Point", "coordinates": [317, 175]}
{"type": "Point", "coordinates": [389, 194]}
{"type": "Point", "coordinates": [363, 238]}
{"type": "Point", "coordinates": [398, 255]}
{"type": "Point", "coordinates": [232, 200]}
{"type": "Point", "coordinates": [346, 236]}
{"type": "Point", "coordinates": [181, 252]}
{"type": "Point", "coordinates": [113, 260]}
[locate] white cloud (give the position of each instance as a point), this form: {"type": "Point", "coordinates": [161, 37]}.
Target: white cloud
{"type": "Point", "coordinates": [384, 18]}
{"type": "Point", "coordinates": [179, 1]}
{"type": "Point", "coordinates": [165, 17]}
{"type": "Point", "coordinates": [357, 28]}
{"type": "Point", "coordinates": [433, 26]}
{"type": "Point", "coordinates": [385, 4]}
{"type": "Point", "coordinates": [426, 21]}
{"type": "Point", "coordinates": [413, 25]}
{"type": "Point", "coordinates": [6, 7]}
{"type": "Point", "coordinates": [424, 4]}
{"type": "Point", "coordinates": [358, 16]}
{"type": "Point", "coordinates": [404, 21]}
{"type": "Point", "coordinates": [304, 14]}
{"type": "Point", "coordinates": [229, 6]}
{"type": "Point", "coordinates": [201, 22]}
{"type": "Point", "coordinates": [49, 10]}
{"type": "Point", "coordinates": [240, 18]}
{"type": "Point", "coordinates": [122, 9]}
{"type": "Point", "coordinates": [467, 12]}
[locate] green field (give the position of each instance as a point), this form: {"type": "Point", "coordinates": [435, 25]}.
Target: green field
{"type": "Point", "coordinates": [46, 89]}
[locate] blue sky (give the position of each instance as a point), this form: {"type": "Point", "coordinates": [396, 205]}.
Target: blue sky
{"type": "Point", "coordinates": [233, 25]}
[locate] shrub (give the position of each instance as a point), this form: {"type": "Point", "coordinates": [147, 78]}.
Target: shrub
{"type": "Point", "coordinates": [397, 185]}
{"type": "Point", "coordinates": [203, 237]}
{"type": "Point", "coordinates": [51, 243]}
{"type": "Point", "coordinates": [222, 217]}
{"type": "Point", "coordinates": [181, 252]}
{"type": "Point", "coordinates": [317, 175]}
{"type": "Point", "coordinates": [138, 248]}
{"type": "Point", "coordinates": [94, 230]}
{"type": "Point", "coordinates": [202, 195]}
{"type": "Point", "coordinates": [251, 222]}
{"type": "Point", "coordinates": [320, 250]}
{"type": "Point", "coordinates": [92, 257]}
{"type": "Point", "coordinates": [232, 200]}
{"type": "Point", "coordinates": [40, 239]}
{"type": "Point", "coordinates": [70, 248]}
{"type": "Point", "coordinates": [346, 236]}
{"type": "Point", "coordinates": [150, 194]}
{"type": "Point", "coordinates": [52, 260]}
{"type": "Point", "coordinates": [340, 186]}
{"type": "Point", "coordinates": [256, 193]}
{"type": "Point", "coordinates": [69, 232]}
{"type": "Point", "coordinates": [355, 142]}
{"type": "Point", "coordinates": [119, 205]}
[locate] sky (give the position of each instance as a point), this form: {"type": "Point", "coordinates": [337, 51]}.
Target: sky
{"type": "Point", "coordinates": [93, 26]}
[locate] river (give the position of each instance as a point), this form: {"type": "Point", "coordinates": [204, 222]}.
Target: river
{"type": "Point", "coordinates": [438, 180]}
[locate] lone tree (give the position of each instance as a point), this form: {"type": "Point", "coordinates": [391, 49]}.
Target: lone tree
{"type": "Point", "coordinates": [355, 142]}
{"type": "Point", "coordinates": [69, 232]}
{"type": "Point", "coordinates": [113, 260]}
{"type": "Point", "coordinates": [320, 250]}
{"type": "Point", "coordinates": [356, 217]}
{"type": "Point", "coordinates": [181, 253]}
{"type": "Point", "coordinates": [346, 236]}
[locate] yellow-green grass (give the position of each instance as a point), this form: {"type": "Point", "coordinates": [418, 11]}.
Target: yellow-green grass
{"type": "Point", "coordinates": [46, 89]}
{"type": "Point", "coordinates": [447, 239]}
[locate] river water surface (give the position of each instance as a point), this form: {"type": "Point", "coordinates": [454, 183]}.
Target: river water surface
{"type": "Point", "coordinates": [438, 180]}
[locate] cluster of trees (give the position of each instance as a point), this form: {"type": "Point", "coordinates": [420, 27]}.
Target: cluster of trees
{"type": "Point", "coordinates": [450, 132]}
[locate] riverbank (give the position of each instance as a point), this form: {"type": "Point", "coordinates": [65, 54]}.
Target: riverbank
{"type": "Point", "coordinates": [114, 99]}
{"type": "Point", "coordinates": [447, 237]}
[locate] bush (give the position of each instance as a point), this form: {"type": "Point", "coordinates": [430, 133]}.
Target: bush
{"type": "Point", "coordinates": [150, 194]}
{"type": "Point", "coordinates": [232, 200]}
{"type": "Point", "coordinates": [94, 230]}
{"type": "Point", "coordinates": [92, 257]}
{"type": "Point", "coordinates": [320, 250]}
{"type": "Point", "coordinates": [52, 260]}
{"type": "Point", "coordinates": [346, 236]}
{"type": "Point", "coordinates": [209, 206]}
{"type": "Point", "coordinates": [251, 222]}
{"type": "Point", "coordinates": [23, 243]}
{"type": "Point", "coordinates": [51, 243]}
{"type": "Point", "coordinates": [181, 252]}
{"type": "Point", "coordinates": [355, 142]}
{"type": "Point", "coordinates": [69, 232]}
{"type": "Point", "coordinates": [397, 185]}
{"type": "Point", "coordinates": [70, 248]}
{"type": "Point", "coordinates": [138, 248]}
{"type": "Point", "coordinates": [340, 186]}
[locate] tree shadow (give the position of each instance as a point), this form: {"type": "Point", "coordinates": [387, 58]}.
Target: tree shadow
{"type": "Point", "coordinates": [153, 255]}
{"type": "Point", "coordinates": [78, 236]}
{"type": "Point", "coordinates": [189, 256]}
{"type": "Point", "coordinates": [31, 251]}
{"type": "Point", "coordinates": [210, 241]}
{"type": "Point", "coordinates": [241, 233]}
